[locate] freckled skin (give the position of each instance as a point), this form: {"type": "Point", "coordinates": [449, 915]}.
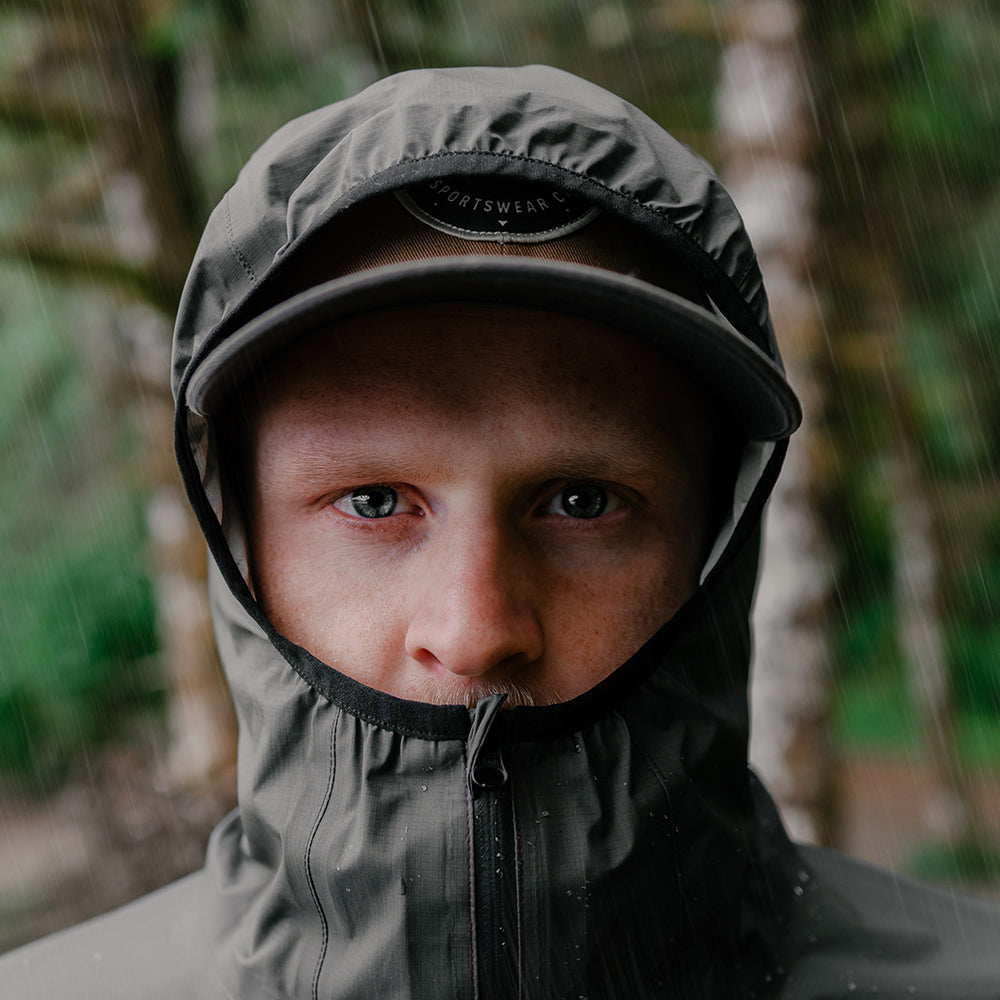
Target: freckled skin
{"type": "Point", "coordinates": [481, 420]}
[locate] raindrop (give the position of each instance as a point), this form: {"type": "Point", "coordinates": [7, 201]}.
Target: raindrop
{"type": "Point", "coordinates": [545, 812]}
{"type": "Point", "coordinates": [423, 788]}
{"type": "Point", "coordinates": [798, 890]}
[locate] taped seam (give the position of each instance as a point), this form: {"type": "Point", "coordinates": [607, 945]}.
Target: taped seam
{"type": "Point", "coordinates": [307, 858]}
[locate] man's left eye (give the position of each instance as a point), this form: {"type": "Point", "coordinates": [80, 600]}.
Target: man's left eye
{"type": "Point", "coordinates": [583, 501]}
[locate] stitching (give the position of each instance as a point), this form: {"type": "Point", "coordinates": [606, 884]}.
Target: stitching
{"type": "Point", "coordinates": [231, 240]}
{"type": "Point", "coordinates": [307, 858]}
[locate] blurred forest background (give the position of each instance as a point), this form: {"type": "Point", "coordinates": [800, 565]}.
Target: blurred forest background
{"type": "Point", "coordinates": [860, 140]}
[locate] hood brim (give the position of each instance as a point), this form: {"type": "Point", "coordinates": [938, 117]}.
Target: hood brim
{"type": "Point", "coordinates": [745, 380]}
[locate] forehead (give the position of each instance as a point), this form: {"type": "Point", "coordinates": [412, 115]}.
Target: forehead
{"type": "Point", "coordinates": [470, 364]}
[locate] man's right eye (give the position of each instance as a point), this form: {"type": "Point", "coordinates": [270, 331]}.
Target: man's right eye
{"type": "Point", "coordinates": [369, 502]}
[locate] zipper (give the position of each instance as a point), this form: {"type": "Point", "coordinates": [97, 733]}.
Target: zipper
{"type": "Point", "coordinates": [495, 860]}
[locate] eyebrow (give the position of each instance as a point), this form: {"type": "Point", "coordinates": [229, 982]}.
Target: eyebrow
{"type": "Point", "coordinates": [373, 466]}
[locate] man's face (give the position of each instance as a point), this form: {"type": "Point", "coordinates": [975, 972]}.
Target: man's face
{"type": "Point", "coordinates": [455, 500]}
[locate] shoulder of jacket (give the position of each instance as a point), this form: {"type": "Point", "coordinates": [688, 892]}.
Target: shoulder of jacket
{"type": "Point", "coordinates": [861, 930]}
{"type": "Point", "coordinates": [150, 949]}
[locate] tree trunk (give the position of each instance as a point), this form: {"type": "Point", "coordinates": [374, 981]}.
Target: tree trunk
{"type": "Point", "coordinates": [765, 134]}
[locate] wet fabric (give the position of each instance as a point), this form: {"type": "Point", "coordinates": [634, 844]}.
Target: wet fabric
{"type": "Point", "coordinates": [613, 846]}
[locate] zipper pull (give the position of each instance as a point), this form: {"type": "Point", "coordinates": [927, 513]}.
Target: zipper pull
{"type": "Point", "coordinates": [487, 771]}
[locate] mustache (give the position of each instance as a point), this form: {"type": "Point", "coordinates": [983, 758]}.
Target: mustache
{"type": "Point", "coordinates": [468, 693]}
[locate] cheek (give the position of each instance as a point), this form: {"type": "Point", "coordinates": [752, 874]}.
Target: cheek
{"type": "Point", "coordinates": [601, 618]}
{"type": "Point", "coordinates": [330, 600]}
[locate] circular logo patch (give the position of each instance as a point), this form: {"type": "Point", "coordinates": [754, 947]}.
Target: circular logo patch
{"type": "Point", "coordinates": [496, 209]}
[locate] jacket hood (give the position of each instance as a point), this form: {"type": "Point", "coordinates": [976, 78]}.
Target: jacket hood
{"type": "Point", "coordinates": [614, 845]}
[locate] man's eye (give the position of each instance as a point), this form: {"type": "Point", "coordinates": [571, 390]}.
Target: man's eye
{"type": "Point", "coordinates": [369, 502]}
{"type": "Point", "coordinates": [584, 501]}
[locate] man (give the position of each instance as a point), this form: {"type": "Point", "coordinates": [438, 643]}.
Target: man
{"type": "Point", "coordinates": [479, 406]}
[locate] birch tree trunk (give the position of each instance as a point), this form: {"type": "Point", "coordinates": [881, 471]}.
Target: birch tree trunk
{"type": "Point", "coordinates": [765, 133]}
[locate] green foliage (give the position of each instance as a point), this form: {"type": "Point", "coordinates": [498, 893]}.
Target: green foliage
{"type": "Point", "coordinates": [970, 860]}
{"type": "Point", "coordinates": [76, 619]}
{"type": "Point", "coordinates": [974, 636]}
{"type": "Point", "coordinates": [76, 611]}
{"type": "Point", "coordinates": [910, 127]}
{"type": "Point", "coordinates": [945, 409]}
{"type": "Point", "coordinates": [873, 712]}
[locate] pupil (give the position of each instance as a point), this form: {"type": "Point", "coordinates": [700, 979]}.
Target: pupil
{"type": "Point", "coordinates": [584, 501]}
{"type": "Point", "coordinates": [374, 501]}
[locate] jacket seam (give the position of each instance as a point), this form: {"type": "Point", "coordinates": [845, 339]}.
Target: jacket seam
{"type": "Point", "coordinates": [231, 240]}
{"type": "Point", "coordinates": [650, 763]}
{"type": "Point", "coordinates": [307, 857]}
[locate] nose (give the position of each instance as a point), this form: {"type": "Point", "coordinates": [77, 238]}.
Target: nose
{"type": "Point", "coordinates": [475, 612]}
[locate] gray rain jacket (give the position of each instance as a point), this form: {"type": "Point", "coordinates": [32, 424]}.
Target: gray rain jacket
{"type": "Point", "coordinates": [615, 846]}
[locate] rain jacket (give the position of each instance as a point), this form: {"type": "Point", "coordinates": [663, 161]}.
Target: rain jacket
{"type": "Point", "coordinates": [614, 846]}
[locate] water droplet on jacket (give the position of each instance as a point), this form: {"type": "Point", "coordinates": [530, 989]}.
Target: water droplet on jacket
{"type": "Point", "coordinates": [545, 812]}
{"type": "Point", "coordinates": [423, 788]}
{"type": "Point", "coordinates": [798, 890]}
